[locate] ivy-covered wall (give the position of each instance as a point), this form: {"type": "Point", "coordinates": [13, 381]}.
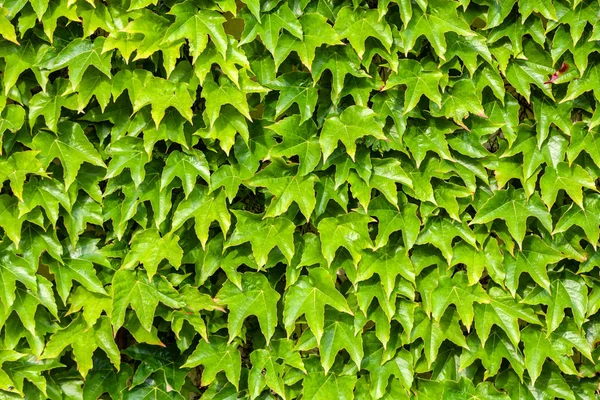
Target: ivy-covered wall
{"type": "Point", "coordinates": [299, 199]}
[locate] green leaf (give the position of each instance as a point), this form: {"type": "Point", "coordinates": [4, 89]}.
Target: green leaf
{"type": "Point", "coordinates": [84, 341]}
{"type": "Point", "coordinates": [419, 81]}
{"type": "Point", "coordinates": [71, 147]}
{"type": "Point", "coordinates": [298, 139]}
{"type": "Point", "coordinates": [571, 179]}
{"type": "Point", "coordinates": [263, 234]}
{"type": "Point", "coordinates": [205, 208]}
{"type": "Point", "coordinates": [79, 55]}
{"type": "Point", "coordinates": [349, 231]}
{"type": "Point", "coordinates": [216, 356]}
{"type": "Point", "coordinates": [353, 123]}
{"type": "Point", "coordinates": [133, 288]}
{"type": "Point", "coordinates": [196, 25]}
{"type": "Point", "coordinates": [309, 296]}
{"type": "Point", "coordinates": [255, 297]}
{"type": "Point", "coordinates": [439, 18]}
{"type": "Point", "coordinates": [357, 25]}
{"type": "Point", "coordinates": [149, 249]}
{"type": "Point", "coordinates": [514, 208]}
{"type": "Point", "coordinates": [283, 181]}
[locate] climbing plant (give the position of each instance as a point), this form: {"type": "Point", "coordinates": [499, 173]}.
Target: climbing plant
{"type": "Point", "coordinates": [299, 199]}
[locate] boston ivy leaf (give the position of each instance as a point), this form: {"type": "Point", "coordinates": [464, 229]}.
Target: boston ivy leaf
{"type": "Point", "coordinates": [533, 257]}
{"type": "Point", "coordinates": [571, 179]}
{"type": "Point", "coordinates": [497, 348]}
{"type": "Point", "coordinates": [349, 231]}
{"type": "Point", "coordinates": [387, 262]}
{"type": "Point", "coordinates": [50, 103]}
{"type": "Point", "coordinates": [264, 234]}
{"type": "Point", "coordinates": [149, 249]}
{"type": "Point", "coordinates": [79, 55]}
{"type": "Point", "coordinates": [205, 208]}
{"type": "Point", "coordinates": [216, 356]}
{"type": "Point", "coordinates": [17, 167]}
{"type": "Point", "coordinates": [315, 32]}
{"type": "Point", "coordinates": [539, 345]}
{"type": "Point", "coordinates": [566, 291]}
{"type": "Point", "coordinates": [338, 334]}
{"type": "Point", "coordinates": [455, 290]}
{"type": "Point", "coordinates": [298, 139]}
{"type": "Point", "coordinates": [586, 217]}
{"type": "Point", "coordinates": [196, 25]}
{"type": "Point", "coordinates": [514, 208]}
{"type": "Point", "coordinates": [353, 123]}
{"type": "Point", "coordinates": [308, 296]}
{"type": "Point", "coordinates": [84, 341]}
{"type": "Point", "coordinates": [434, 333]}
{"type": "Point", "coordinates": [70, 146]}
{"type": "Point", "coordinates": [320, 386]}
{"type": "Point", "coordinates": [358, 24]}
{"type": "Point", "coordinates": [133, 288]}
{"type": "Point", "coordinates": [504, 311]}
{"type": "Point", "coordinates": [255, 297]}
{"type": "Point", "coordinates": [283, 181]}
{"type": "Point", "coordinates": [433, 21]}
{"type": "Point", "coordinates": [418, 80]}
{"type": "Point", "coordinates": [146, 89]}
{"type": "Point", "coordinates": [296, 88]}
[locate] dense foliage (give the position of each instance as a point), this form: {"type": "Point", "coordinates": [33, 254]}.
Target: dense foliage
{"type": "Point", "coordinates": [313, 199]}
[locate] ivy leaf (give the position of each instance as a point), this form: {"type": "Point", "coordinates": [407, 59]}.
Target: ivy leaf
{"type": "Point", "coordinates": [149, 249]}
{"type": "Point", "coordinates": [358, 24]}
{"type": "Point", "coordinates": [571, 179]}
{"type": "Point", "coordinates": [298, 139]}
{"type": "Point", "coordinates": [533, 257]}
{"type": "Point", "coordinates": [455, 290]}
{"type": "Point", "coordinates": [79, 55]}
{"type": "Point", "coordinates": [539, 346]}
{"type": "Point", "coordinates": [283, 181]}
{"type": "Point", "coordinates": [50, 103]}
{"type": "Point", "coordinates": [566, 291]}
{"type": "Point", "coordinates": [321, 386]}
{"type": "Point", "coordinates": [315, 32]}
{"type": "Point", "coordinates": [196, 25]}
{"type": "Point", "coordinates": [71, 147]}
{"type": "Point", "coordinates": [263, 234]}
{"type": "Point", "coordinates": [255, 297]}
{"type": "Point", "coordinates": [387, 262]}
{"type": "Point", "coordinates": [419, 81]}
{"type": "Point", "coordinates": [438, 18]}
{"type": "Point", "coordinates": [133, 288]}
{"type": "Point", "coordinates": [187, 167]}
{"type": "Point", "coordinates": [296, 88]}
{"type": "Point", "coordinates": [579, 86]}
{"type": "Point", "coordinates": [216, 356]}
{"type": "Point", "coordinates": [308, 296]}
{"type": "Point", "coordinates": [349, 231]}
{"type": "Point", "coordinates": [514, 208]}
{"type": "Point", "coordinates": [77, 263]}
{"type": "Point", "coordinates": [205, 208]}
{"type": "Point", "coordinates": [128, 152]}
{"type": "Point", "coordinates": [84, 341]}
{"type": "Point", "coordinates": [505, 312]}
{"type": "Point", "coordinates": [441, 232]}
{"type": "Point", "coordinates": [434, 333]}
{"type": "Point", "coordinates": [586, 217]}
{"type": "Point", "coordinates": [353, 123]}
{"type": "Point", "coordinates": [17, 167]}
{"type": "Point", "coordinates": [146, 89]}
{"type": "Point", "coordinates": [340, 61]}
{"type": "Point", "coordinates": [498, 347]}
{"type": "Point", "coordinates": [270, 26]}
